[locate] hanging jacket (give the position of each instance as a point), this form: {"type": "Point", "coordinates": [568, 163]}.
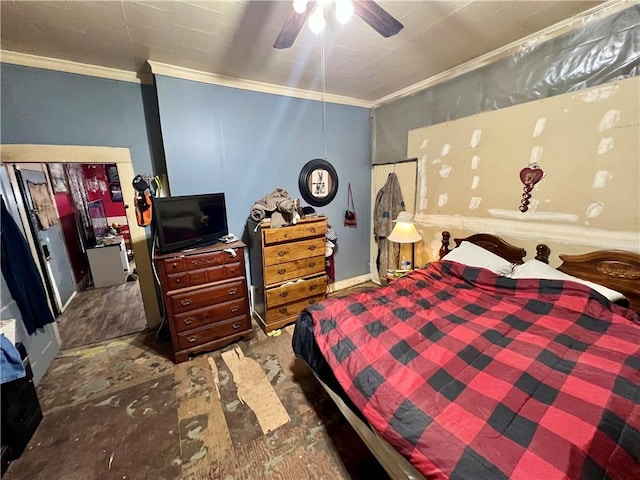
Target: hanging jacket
{"type": "Point", "coordinates": [389, 204]}
{"type": "Point", "coordinates": [21, 274]}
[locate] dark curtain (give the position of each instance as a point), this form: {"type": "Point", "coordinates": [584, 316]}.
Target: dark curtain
{"type": "Point", "coordinates": [21, 274]}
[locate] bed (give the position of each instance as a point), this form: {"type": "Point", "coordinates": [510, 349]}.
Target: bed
{"type": "Point", "coordinates": [489, 371]}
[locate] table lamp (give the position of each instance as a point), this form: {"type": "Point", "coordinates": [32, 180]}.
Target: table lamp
{"type": "Point", "coordinates": [405, 231]}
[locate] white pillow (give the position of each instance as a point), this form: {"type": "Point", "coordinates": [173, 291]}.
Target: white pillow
{"type": "Point", "coordinates": [537, 269]}
{"type": "Point", "coordinates": [472, 255]}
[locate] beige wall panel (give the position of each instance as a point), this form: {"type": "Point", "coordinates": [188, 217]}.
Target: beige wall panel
{"type": "Point", "coordinates": [587, 143]}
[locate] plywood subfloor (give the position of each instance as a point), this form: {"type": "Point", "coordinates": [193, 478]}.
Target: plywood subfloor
{"type": "Point", "coordinates": [121, 409]}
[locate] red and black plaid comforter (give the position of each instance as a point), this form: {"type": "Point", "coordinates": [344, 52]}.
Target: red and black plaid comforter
{"type": "Point", "coordinates": [474, 376]}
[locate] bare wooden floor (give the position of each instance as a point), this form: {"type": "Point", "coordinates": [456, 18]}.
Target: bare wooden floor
{"type": "Point", "coordinates": [121, 409]}
{"type": "Point", "coordinates": [99, 314]}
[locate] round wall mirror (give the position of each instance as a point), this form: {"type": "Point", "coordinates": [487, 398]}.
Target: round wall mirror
{"type": "Point", "coordinates": [318, 182]}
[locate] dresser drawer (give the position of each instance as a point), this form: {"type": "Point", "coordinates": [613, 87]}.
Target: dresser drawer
{"type": "Point", "coordinates": [204, 297]}
{"type": "Point", "coordinates": [173, 265]}
{"type": "Point", "coordinates": [294, 232]}
{"type": "Point", "coordinates": [208, 315]}
{"type": "Point", "coordinates": [232, 270]}
{"type": "Point", "coordinates": [298, 268]}
{"type": "Point", "coordinates": [213, 332]}
{"type": "Point", "coordinates": [291, 293]}
{"type": "Point", "coordinates": [195, 277]}
{"type": "Point", "coordinates": [193, 262]}
{"type": "Point", "coordinates": [291, 309]}
{"type": "Point", "coordinates": [286, 252]}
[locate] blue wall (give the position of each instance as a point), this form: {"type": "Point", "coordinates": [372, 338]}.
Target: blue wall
{"type": "Point", "coordinates": [215, 139]}
{"type": "Point", "coordinates": [246, 144]}
{"type": "Point", "coordinates": [54, 108]}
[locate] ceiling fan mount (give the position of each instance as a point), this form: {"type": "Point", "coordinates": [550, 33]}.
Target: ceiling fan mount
{"type": "Point", "coordinates": [368, 10]}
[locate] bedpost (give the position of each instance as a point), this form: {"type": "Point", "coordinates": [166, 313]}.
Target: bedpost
{"type": "Point", "coordinates": [542, 253]}
{"type": "Point", "coordinates": [444, 249]}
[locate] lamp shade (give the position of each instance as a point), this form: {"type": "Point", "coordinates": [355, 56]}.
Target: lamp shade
{"type": "Point", "coordinates": [404, 232]}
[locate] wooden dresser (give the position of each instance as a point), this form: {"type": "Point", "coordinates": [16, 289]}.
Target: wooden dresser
{"type": "Point", "coordinates": [287, 269]}
{"type": "Point", "coordinates": [205, 297]}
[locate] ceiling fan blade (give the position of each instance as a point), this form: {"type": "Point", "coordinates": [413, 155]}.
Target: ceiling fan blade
{"type": "Point", "coordinates": [292, 26]}
{"type": "Point", "coordinates": [377, 17]}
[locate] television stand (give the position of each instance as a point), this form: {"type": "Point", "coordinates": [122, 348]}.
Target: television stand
{"type": "Point", "coordinates": [205, 297]}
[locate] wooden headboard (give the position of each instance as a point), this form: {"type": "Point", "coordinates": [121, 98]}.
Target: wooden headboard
{"type": "Point", "coordinates": [495, 245]}
{"type": "Point", "coordinates": [616, 269]}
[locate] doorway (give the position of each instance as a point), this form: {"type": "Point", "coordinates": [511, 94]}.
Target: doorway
{"type": "Point", "coordinates": [44, 225]}
{"type": "Point", "coordinates": [38, 154]}
{"type": "Point", "coordinates": [77, 221]}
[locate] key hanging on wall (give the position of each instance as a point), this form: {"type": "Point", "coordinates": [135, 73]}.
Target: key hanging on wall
{"type": "Point", "coordinates": [529, 176]}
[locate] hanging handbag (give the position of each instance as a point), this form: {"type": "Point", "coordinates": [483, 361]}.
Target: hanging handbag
{"type": "Point", "coordinates": [350, 218]}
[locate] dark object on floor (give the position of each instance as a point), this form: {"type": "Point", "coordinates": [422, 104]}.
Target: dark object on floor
{"type": "Point", "coordinates": [163, 331]}
{"type": "Point", "coordinates": [21, 413]}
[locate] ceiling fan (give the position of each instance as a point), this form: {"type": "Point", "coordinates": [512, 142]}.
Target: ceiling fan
{"type": "Point", "coordinates": [368, 10]}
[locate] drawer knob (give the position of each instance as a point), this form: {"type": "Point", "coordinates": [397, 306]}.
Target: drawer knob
{"type": "Point", "coordinates": [312, 247]}
{"type": "Point", "coordinates": [284, 294]}
{"type": "Point", "coordinates": [311, 264]}
{"type": "Point", "coordinates": [283, 310]}
{"type": "Point", "coordinates": [313, 287]}
{"type": "Point", "coordinates": [174, 265]}
{"type": "Point", "coordinates": [282, 271]}
{"type": "Point", "coordinates": [188, 321]}
{"type": "Point", "coordinates": [233, 291]}
{"type": "Point", "coordinates": [192, 338]}
{"type": "Point", "coordinates": [185, 302]}
{"type": "Point", "coordinates": [286, 235]}
{"type": "Point", "coordinates": [313, 230]}
{"type": "Point", "coordinates": [235, 308]}
{"type": "Point", "coordinates": [236, 326]}
{"type": "Point", "coordinates": [177, 280]}
{"type": "Point", "coordinates": [282, 253]}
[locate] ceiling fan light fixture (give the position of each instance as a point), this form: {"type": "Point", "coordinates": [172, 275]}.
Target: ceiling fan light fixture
{"type": "Point", "coordinates": [312, 12]}
{"type": "Point", "coordinates": [316, 20]}
{"type": "Point", "coordinates": [344, 10]}
{"type": "Point", "coordinates": [300, 6]}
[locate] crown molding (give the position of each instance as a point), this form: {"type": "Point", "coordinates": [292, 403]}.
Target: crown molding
{"type": "Point", "coordinates": [47, 63]}
{"type": "Point", "coordinates": [204, 77]}
{"type": "Point", "coordinates": [543, 35]}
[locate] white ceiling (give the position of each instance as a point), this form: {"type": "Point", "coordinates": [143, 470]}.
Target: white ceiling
{"type": "Point", "coordinates": [235, 39]}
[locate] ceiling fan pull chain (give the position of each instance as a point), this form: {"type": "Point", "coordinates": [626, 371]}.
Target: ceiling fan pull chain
{"type": "Point", "coordinates": [324, 105]}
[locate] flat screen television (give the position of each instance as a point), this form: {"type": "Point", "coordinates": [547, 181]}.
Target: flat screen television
{"type": "Point", "coordinates": [189, 221]}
